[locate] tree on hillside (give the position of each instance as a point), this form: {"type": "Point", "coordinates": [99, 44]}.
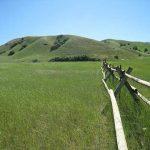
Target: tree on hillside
{"type": "Point", "coordinates": [11, 53]}
{"type": "Point", "coordinates": [135, 47]}
{"type": "Point", "coordinates": [116, 57]}
{"type": "Point", "coordinates": [122, 44]}
{"type": "Point", "coordinates": [145, 50]}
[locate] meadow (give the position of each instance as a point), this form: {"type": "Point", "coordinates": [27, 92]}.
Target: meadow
{"type": "Point", "coordinates": [54, 106]}
{"type": "Point", "coordinates": [65, 106]}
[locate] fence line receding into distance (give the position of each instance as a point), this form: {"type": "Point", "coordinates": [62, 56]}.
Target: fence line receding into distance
{"type": "Point", "coordinates": [107, 71]}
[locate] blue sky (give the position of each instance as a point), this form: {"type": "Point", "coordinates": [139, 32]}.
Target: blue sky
{"type": "Point", "coordinates": [97, 19]}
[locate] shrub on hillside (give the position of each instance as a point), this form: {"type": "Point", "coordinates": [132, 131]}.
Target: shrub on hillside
{"type": "Point", "coordinates": [35, 60]}
{"type": "Point", "coordinates": [122, 44]}
{"type": "Point", "coordinates": [139, 55]}
{"type": "Point", "coordinates": [11, 53]}
{"type": "Point", "coordinates": [55, 46]}
{"type": "Point", "coordinates": [135, 47]}
{"type": "Point", "coordinates": [60, 40]}
{"type": "Point", "coordinates": [59, 37]}
{"type": "Point", "coordinates": [24, 46]}
{"type": "Point", "coordinates": [45, 44]}
{"type": "Point", "coordinates": [16, 43]}
{"type": "Point", "coordinates": [73, 58]}
{"type": "Point", "coordinates": [145, 50]}
{"type": "Point", "coordinates": [13, 45]}
{"type": "Point", "coordinates": [116, 57]}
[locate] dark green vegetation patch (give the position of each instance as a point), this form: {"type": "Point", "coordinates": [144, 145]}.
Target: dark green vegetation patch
{"type": "Point", "coordinates": [75, 58]}
{"type": "Point", "coordinates": [60, 40]}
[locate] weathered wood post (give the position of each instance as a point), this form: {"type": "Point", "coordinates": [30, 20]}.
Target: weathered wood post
{"type": "Point", "coordinates": [123, 81]}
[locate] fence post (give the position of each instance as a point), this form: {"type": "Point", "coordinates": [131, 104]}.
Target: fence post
{"type": "Point", "coordinates": [123, 81]}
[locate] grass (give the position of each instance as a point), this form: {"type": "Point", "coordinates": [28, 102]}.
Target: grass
{"type": "Point", "coordinates": [29, 48]}
{"type": "Point", "coordinates": [65, 106]}
{"type": "Point", "coordinates": [128, 45]}
{"type": "Point", "coordinates": [135, 113]}
{"type": "Point", "coordinates": [54, 106]}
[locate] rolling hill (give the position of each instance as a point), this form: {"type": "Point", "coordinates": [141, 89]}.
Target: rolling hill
{"type": "Point", "coordinates": [44, 48]}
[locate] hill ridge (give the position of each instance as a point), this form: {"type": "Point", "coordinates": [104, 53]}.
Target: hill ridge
{"type": "Point", "coordinates": [44, 48]}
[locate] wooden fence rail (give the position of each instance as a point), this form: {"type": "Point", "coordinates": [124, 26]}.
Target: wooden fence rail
{"type": "Point", "coordinates": [138, 80]}
{"type": "Point", "coordinates": [121, 141]}
{"type": "Point", "coordinates": [109, 70]}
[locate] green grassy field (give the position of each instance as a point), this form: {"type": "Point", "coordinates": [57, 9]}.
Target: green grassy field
{"type": "Point", "coordinates": [54, 106]}
{"type": "Point", "coordinates": [135, 113]}
{"type": "Point", "coordinates": [65, 106]}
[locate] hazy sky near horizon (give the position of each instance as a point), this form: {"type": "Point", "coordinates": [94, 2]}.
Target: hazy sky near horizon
{"type": "Point", "coordinates": [97, 19]}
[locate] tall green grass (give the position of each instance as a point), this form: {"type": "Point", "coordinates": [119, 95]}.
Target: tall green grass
{"type": "Point", "coordinates": [54, 106]}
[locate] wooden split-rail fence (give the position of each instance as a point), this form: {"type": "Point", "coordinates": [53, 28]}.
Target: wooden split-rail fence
{"type": "Point", "coordinates": [108, 70]}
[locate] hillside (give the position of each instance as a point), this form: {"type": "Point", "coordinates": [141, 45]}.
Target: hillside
{"type": "Point", "coordinates": [136, 47]}
{"type": "Point", "coordinates": [44, 48]}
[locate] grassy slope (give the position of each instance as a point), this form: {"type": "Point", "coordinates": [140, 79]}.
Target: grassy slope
{"type": "Point", "coordinates": [135, 114]}
{"type": "Point", "coordinates": [54, 106]}
{"type": "Point", "coordinates": [39, 48]}
{"type": "Point", "coordinates": [129, 45]}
